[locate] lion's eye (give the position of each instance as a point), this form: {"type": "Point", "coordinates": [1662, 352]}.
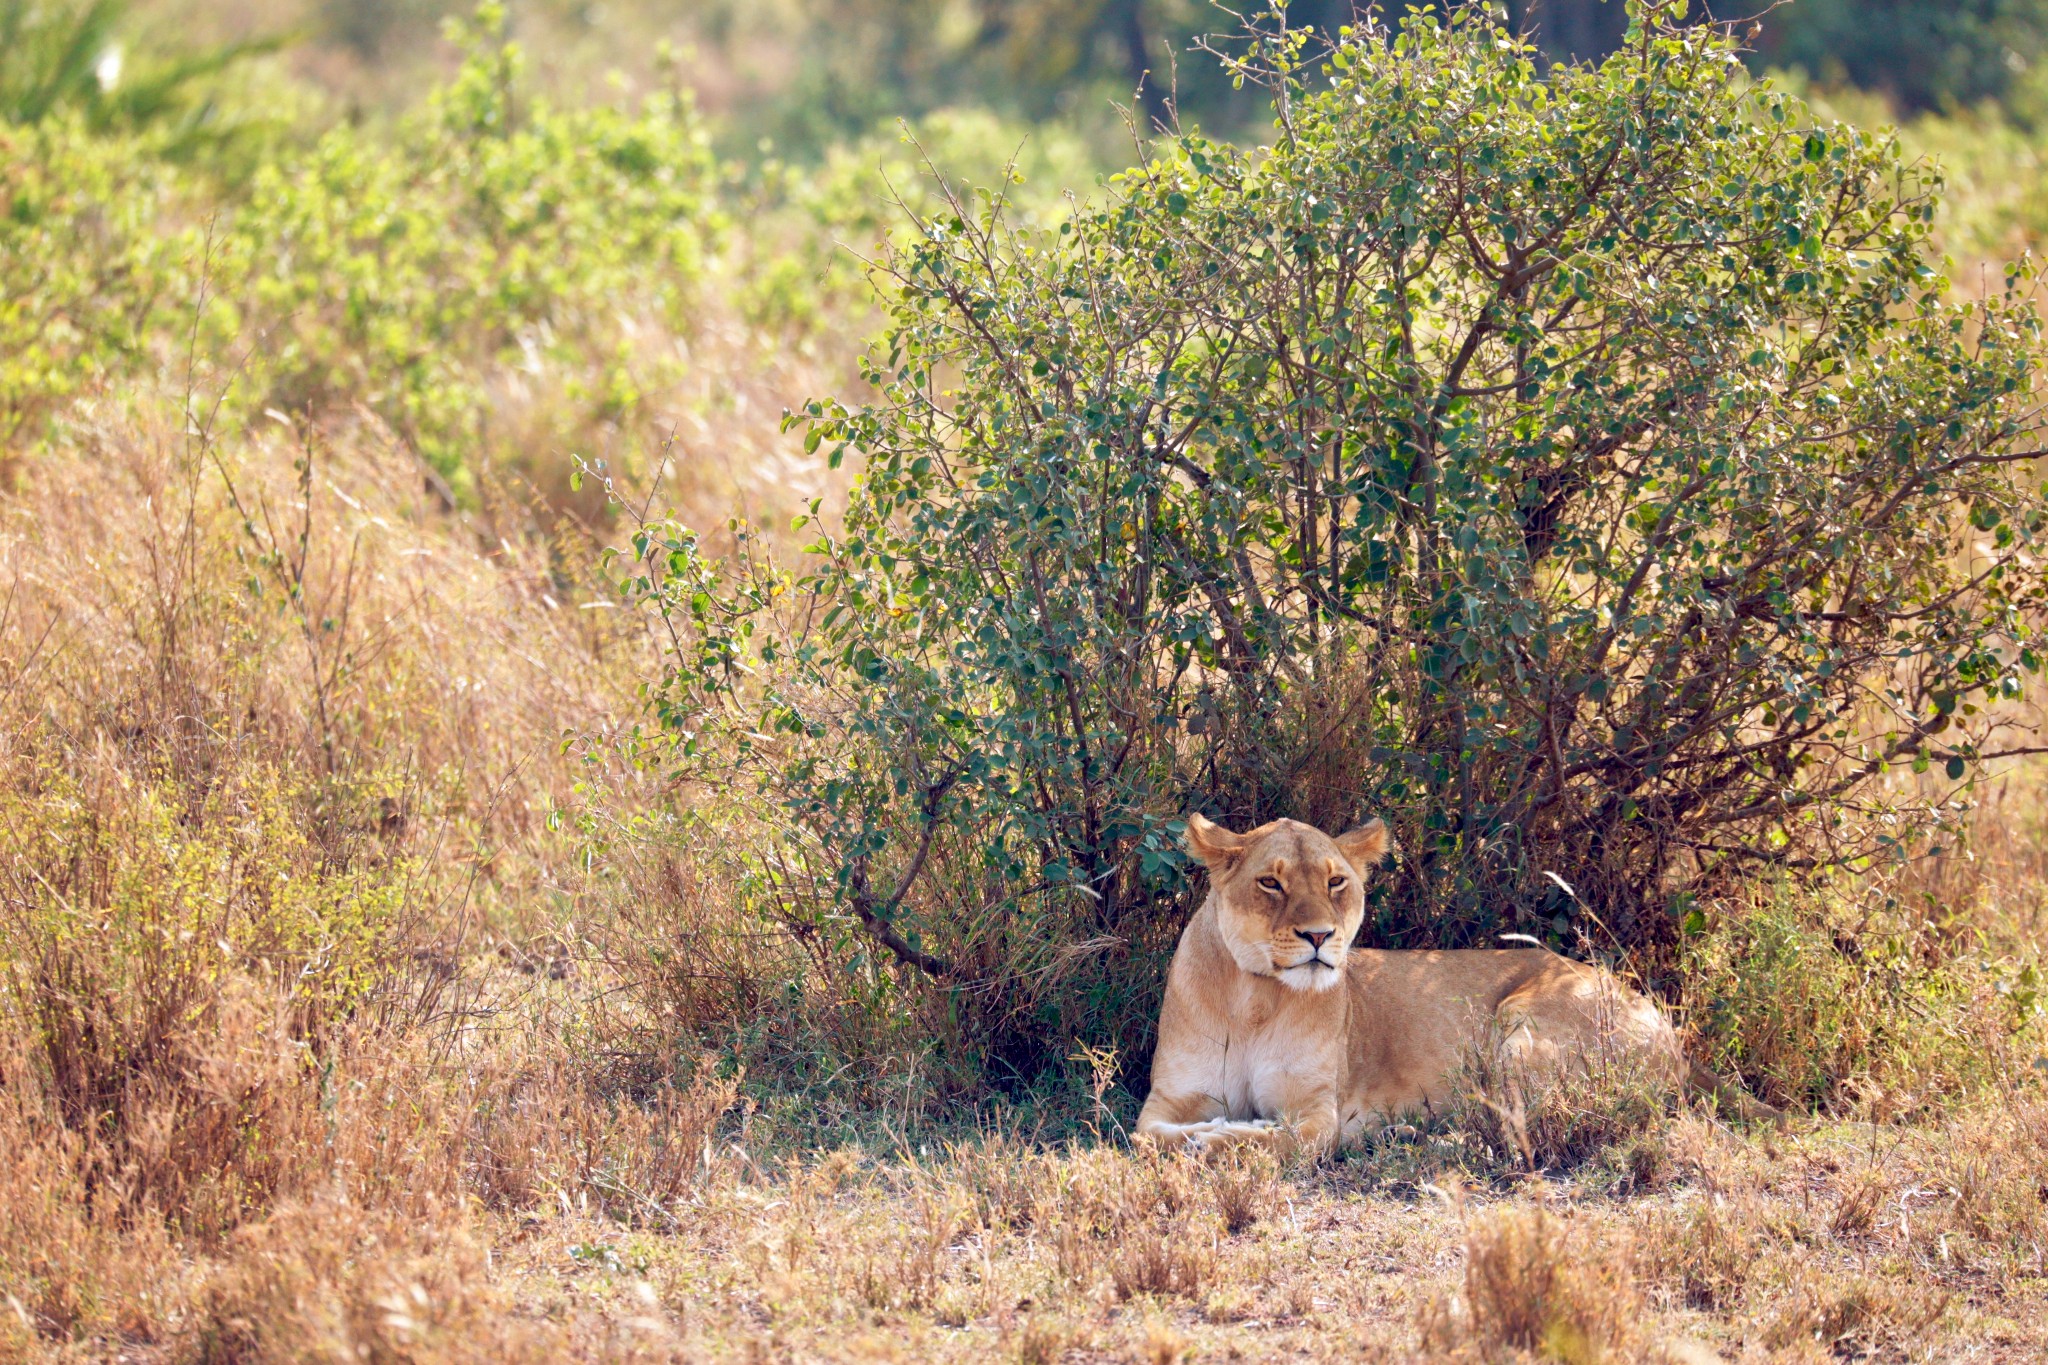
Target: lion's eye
{"type": "Point", "coordinates": [1336, 883]}
{"type": "Point", "coordinates": [1270, 883]}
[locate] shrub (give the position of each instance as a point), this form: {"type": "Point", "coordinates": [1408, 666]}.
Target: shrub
{"type": "Point", "coordinates": [491, 262]}
{"type": "Point", "coordinates": [1582, 466]}
{"type": "Point", "coordinates": [178, 969]}
{"type": "Point", "coordinates": [1816, 1002]}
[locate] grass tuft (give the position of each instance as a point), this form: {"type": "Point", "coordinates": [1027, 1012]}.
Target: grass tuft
{"type": "Point", "coordinates": [1532, 1285]}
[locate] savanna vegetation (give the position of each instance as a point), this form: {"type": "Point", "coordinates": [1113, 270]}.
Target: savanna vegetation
{"type": "Point", "coordinates": [599, 674]}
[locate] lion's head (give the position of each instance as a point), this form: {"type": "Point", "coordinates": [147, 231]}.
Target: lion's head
{"type": "Point", "coordinates": [1289, 898]}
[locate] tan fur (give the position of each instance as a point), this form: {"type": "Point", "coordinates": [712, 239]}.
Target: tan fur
{"type": "Point", "coordinates": [1275, 1031]}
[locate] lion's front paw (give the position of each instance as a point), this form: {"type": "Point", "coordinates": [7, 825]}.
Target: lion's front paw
{"type": "Point", "coordinates": [1217, 1134]}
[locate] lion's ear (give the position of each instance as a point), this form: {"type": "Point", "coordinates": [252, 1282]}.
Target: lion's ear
{"type": "Point", "coordinates": [1365, 846]}
{"type": "Point", "coordinates": [1216, 847]}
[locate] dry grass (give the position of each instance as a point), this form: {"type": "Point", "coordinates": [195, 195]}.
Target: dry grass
{"type": "Point", "coordinates": [1533, 1285]}
{"type": "Point", "coordinates": [329, 1280]}
{"type": "Point", "coordinates": [364, 998]}
{"type": "Point", "coordinates": [345, 1014]}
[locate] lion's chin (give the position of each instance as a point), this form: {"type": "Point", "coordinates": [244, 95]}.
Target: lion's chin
{"type": "Point", "coordinates": [1310, 977]}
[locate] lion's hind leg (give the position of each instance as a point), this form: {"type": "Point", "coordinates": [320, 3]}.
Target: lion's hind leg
{"type": "Point", "coordinates": [1597, 1026]}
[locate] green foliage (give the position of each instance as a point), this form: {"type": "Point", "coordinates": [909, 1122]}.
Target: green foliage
{"type": "Point", "coordinates": [142, 923]}
{"type": "Point", "coordinates": [155, 904]}
{"type": "Point", "coordinates": [408, 275]}
{"type": "Point", "coordinates": [857, 63]}
{"type": "Point", "coordinates": [48, 56]}
{"type": "Point", "coordinates": [1815, 1004]}
{"type": "Point", "coordinates": [83, 264]}
{"type": "Point", "coordinates": [487, 236]}
{"type": "Point", "coordinates": [65, 58]}
{"type": "Point", "coordinates": [1584, 468]}
{"type": "Point", "coordinates": [836, 215]}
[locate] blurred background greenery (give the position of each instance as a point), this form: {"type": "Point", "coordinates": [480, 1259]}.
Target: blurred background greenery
{"type": "Point", "coordinates": [806, 74]}
{"type": "Point", "coordinates": [808, 82]}
{"type": "Point", "coordinates": [346, 182]}
{"type": "Point", "coordinates": [804, 82]}
{"type": "Point", "coordinates": [508, 232]}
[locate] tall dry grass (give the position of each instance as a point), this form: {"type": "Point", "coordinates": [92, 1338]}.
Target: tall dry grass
{"type": "Point", "coordinates": [363, 995]}
{"type": "Point", "coordinates": [1534, 1287]}
{"type": "Point", "coordinates": [281, 745]}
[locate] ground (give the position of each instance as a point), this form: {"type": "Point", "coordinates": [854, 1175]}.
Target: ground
{"type": "Point", "coordinates": [1818, 1241]}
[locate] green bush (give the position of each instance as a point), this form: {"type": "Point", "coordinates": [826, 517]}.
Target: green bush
{"type": "Point", "coordinates": [1817, 999]}
{"type": "Point", "coordinates": [84, 266]}
{"type": "Point", "coordinates": [489, 237]}
{"type": "Point", "coordinates": [175, 967]}
{"type": "Point", "coordinates": [1586, 468]}
{"type": "Point", "coordinates": [488, 252]}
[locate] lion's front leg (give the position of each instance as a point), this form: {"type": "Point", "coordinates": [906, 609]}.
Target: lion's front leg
{"type": "Point", "coordinates": [1219, 1135]}
{"type": "Point", "coordinates": [1197, 1122]}
{"type": "Point", "coordinates": [1311, 1128]}
{"type": "Point", "coordinates": [1307, 1126]}
{"type": "Point", "coordinates": [1174, 1120]}
{"type": "Point", "coordinates": [1311, 1137]}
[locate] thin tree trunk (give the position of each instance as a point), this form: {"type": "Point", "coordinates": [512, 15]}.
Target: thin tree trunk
{"type": "Point", "coordinates": [1129, 20]}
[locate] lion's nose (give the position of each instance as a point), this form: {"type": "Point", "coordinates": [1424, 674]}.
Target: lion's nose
{"type": "Point", "coordinates": [1315, 937]}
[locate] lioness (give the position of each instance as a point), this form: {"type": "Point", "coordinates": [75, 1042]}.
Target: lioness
{"type": "Point", "coordinates": [1275, 1030]}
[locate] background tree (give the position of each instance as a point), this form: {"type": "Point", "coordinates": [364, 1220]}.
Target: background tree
{"type": "Point", "coordinates": [1924, 55]}
{"type": "Point", "coordinates": [1570, 30]}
